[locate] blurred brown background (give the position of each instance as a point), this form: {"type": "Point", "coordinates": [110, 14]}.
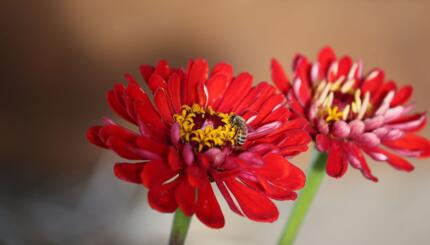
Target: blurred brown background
{"type": "Point", "coordinates": [60, 57]}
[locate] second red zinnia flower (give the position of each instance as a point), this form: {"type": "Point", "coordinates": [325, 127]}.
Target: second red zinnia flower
{"type": "Point", "coordinates": [205, 128]}
{"type": "Point", "coordinates": [351, 113]}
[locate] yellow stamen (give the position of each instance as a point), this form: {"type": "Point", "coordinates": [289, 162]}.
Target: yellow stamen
{"type": "Point", "coordinates": [330, 99]}
{"type": "Point", "coordinates": [357, 99]}
{"type": "Point", "coordinates": [206, 136]}
{"type": "Point", "coordinates": [335, 86]}
{"type": "Point", "coordinates": [319, 89]}
{"type": "Point", "coordinates": [333, 114]}
{"type": "Point", "coordinates": [354, 107]}
{"type": "Point", "coordinates": [345, 112]}
{"type": "Point", "coordinates": [324, 94]}
{"type": "Point", "coordinates": [364, 106]}
{"type": "Point", "coordinates": [347, 86]}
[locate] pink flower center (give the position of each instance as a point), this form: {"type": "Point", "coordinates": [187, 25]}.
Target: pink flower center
{"type": "Point", "coordinates": [334, 102]}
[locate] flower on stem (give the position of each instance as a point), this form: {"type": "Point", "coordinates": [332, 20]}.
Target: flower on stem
{"type": "Point", "coordinates": [351, 113]}
{"type": "Point", "coordinates": [201, 129]}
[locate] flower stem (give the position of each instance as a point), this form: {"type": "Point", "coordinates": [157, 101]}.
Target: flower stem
{"type": "Point", "coordinates": [314, 178]}
{"type": "Point", "coordinates": [180, 227]}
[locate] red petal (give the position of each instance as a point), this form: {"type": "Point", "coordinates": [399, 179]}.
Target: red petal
{"type": "Point", "coordinates": [412, 143]}
{"type": "Point", "coordinates": [174, 85]}
{"type": "Point", "coordinates": [123, 148]}
{"type": "Point", "coordinates": [162, 69]}
{"type": "Point", "coordinates": [150, 117]}
{"type": "Point", "coordinates": [293, 150]}
{"type": "Point", "coordinates": [156, 81]}
{"type": "Point", "coordinates": [162, 198]}
{"type": "Point", "coordinates": [146, 71]}
{"type": "Point", "coordinates": [336, 164]}
{"type": "Point", "coordinates": [117, 106]}
{"type": "Point", "coordinates": [380, 94]}
{"type": "Point", "coordinates": [402, 96]}
{"type": "Point", "coordinates": [207, 208]}
{"type": "Point", "coordinates": [173, 159]}
{"type": "Point", "coordinates": [202, 94]}
{"type": "Point", "coordinates": [222, 68]}
{"type": "Point", "coordinates": [267, 108]}
{"type": "Point", "coordinates": [130, 79]}
{"type": "Point", "coordinates": [164, 105]}
{"type": "Point", "coordinates": [295, 105]}
{"type": "Point", "coordinates": [301, 83]}
{"type": "Point", "coordinates": [134, 91]}
{"type": "Point", "coordinates": [217, 85]}
{"type": "Point", "coordinates": [279, 114]}
{"type": "Point", "coordinates": [129, 171]}
{"type": "Point", "coordinates": [275, 167]}
{"type": "Point", "coordinates": [186, 197]}
{"type": "Point", "coordinates": [356, 158]}
{"type": "Point", "coordinates": [410, 123]}
{"type": "Point", "coordinates": [108, 131]}
{"type": "Point", "coordinates": [397, 161]}
{"type": "Point", "coordinates": [277, 192]}
{"type": "Point", "coordinates": [295, 137]}
{"type": "Point", "coordinates": [195, 175]}
{"type": "Point", "coordinates": [325, 57]}
{"type": "Point", "coordinates": [249, 103]}
{"type": "Point", "coordinates": [255, 205]}
{"type": "Point", "coordinates": [374, 83]}
{"type": "Point", "coordinates": [197, 72]}
{"type": "Point", "coordinates": [93, 136]}
{"type": "Point", "coordinates": [279, 77]}
{"type": "Point", "coordinates": [227, 197]}
{"type": "Point", "coordinates": [345, 64]}
{"type": "Point", "coordinates": [155, 173]}
{"type": "Point", "coordinates": [322, 143]}
{"type": "Point", "coordinates": [237, 90]}
{"type": "Point", "coordinates": [295, 180]}
{"type": "Point", "coordinates": [152, 146]}
{"type": "Point", "coordinates": [281, 186]}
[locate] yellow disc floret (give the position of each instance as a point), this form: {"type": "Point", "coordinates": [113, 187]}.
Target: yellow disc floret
{"type": "Point", "coordinates": [205, 128]}
{"type": "Point", "coordinates": [333, 114]}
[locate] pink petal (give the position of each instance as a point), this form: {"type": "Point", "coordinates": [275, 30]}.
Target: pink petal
{"type": "Point", "coordinates": [341, 129]}
{"type": "Point", "coordinates": [380, 132]}
{"type": "Point", "coordinates": [323, 126]}
{"type": "Point", "coordinates": [373, 123]}
{"type": "Point", "coordinates": [368, 140]}
{"type": "Point", "coordinates": [188, 154]}
{"type": "Point", "coordinates": [393, 113]}
{"type": "Point", "coordinates": [357, 128]}
{"type": "Point", "coordinates": [393, 134]}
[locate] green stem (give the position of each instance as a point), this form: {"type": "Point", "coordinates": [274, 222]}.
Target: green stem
{"type": "Point", "coordinates": [180, 226]}
{"type": "Point", "coordinates": [315, 176]}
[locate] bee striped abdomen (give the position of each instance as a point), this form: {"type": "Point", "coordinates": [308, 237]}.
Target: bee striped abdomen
{"type": "Point", "coordinates": [241, 129]}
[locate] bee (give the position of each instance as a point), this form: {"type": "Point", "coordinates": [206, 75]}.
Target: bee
{"type": "Point", "coordinates": [241, 129]}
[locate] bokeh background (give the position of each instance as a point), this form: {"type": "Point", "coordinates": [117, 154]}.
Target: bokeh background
{"type": "Point", "coordinates": [58, 58]}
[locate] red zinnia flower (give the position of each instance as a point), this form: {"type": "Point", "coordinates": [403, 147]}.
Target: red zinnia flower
{"type": "Point", "coordinates": [350, 113]}
{"type": "Point", "coordinates": [201, 129]}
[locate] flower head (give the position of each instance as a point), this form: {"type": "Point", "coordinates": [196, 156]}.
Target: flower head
{"type": "Point", "coordinates": [351, 113]}
{"type": "Point", "coordinates": [205, 129]}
